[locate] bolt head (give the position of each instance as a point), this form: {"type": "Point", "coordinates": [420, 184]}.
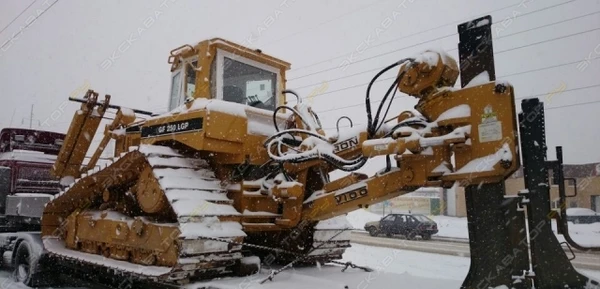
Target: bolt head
{"type": "Point", "coordinates": [500, 88]}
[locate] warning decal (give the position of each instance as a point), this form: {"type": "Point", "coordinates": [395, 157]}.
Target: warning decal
{"type": "Point", "coordinates": [490, 131]}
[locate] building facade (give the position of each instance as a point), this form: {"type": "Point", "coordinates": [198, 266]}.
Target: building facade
{"type": "Point", "coordinates": [587, 178]}
{"type": "Point", "coordinates": [424, 201]}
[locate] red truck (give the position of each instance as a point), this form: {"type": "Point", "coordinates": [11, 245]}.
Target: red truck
{"type": "Point", "coordinates": [26, 184]}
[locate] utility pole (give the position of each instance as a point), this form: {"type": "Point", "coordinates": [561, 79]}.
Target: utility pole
{"type": "Point", "coordinates": [31, 117]}
{"type": "Point", "coordinates": [24, 119]}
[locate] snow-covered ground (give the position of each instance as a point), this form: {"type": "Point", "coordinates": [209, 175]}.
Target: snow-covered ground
{"type": "Point", "coordinates": [411, 269]}
{"type": "Point", "coordinates": [331, 277]}
{"type": "Point", "coordinates": [584, 234]}
{"type": "Point", "coordinates": [393, 269]}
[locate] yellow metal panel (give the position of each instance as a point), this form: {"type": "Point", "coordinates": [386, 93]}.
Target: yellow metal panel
{"type": "Point", "coordinates": [205, 60]}
{"type": "Point", "coordinates": [223, 146]}
{"type": "Point", "coordinates": [493, 126]}
{"type": "Point", "coordinates": [224, 126]}
{"type": "Point", "coordinates": [358, 195]}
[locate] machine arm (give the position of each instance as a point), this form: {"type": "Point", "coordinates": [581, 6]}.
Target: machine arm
{"type": "Point", "coordinates": [79, 136]}
{"type": "Point", "coordinates": [476, 125]}
{"type": "Point", "coordinates": [483, 149]}
{"type": "Point", "coordinates": [84, 126]}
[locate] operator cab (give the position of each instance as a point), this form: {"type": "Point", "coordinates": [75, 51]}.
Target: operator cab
{"type": "Point", "coordinates": [219, 69]}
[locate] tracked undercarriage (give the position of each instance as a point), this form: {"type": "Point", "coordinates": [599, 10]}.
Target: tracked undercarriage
{"type": "Point", "coordinates": [167, 214]}
{"type": "Point", "coordinates": [151, 207]}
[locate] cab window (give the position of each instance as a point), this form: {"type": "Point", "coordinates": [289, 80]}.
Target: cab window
{"type": "Point", "coordinates": [180, 89]}
{"type": "Point", "coordinates": [246, 84]}
{"type": "Point", "coordinates": [175, 98]}
{"type": "Point", "coordinates": [245, 81]}
{"type": "Point", "coordinates": [190, 79]}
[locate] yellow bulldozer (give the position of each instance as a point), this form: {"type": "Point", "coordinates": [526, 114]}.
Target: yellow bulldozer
{"type": "Point", "coordinates": [238, 170]}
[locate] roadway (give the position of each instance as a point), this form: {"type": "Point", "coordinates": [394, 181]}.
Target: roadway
{"type": "Point", "coordinates": [454, 247]}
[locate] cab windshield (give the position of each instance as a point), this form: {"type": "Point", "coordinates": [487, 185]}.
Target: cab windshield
{"type": "Point", "coordinates": [247, 84]}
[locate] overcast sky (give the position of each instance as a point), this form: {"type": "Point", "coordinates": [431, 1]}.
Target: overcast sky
{"type": "Point", "coordinates": [121, 48]}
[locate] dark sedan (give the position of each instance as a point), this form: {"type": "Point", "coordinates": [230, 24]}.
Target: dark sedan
{"type": "Point", "coordinates": [408, 225]}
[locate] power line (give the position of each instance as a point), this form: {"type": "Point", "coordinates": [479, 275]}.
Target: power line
{"type": "Point", "coordinates": [548, 67]}
{"type": "Point", "coordinates": [549, 40]}
{"type": "Point", "coordinates": [409, 35]}
{"type": "Point", "coordinates": [328, 21]}
{"type": "Point", "coordinates": [424, 42]}
{"type": "Point", "coordinates": [441, 26]}
{"type": "Point", "coordinates": [15, 19]}
{"type": "Point", "coordinates": [535, 43]}
{"type": "Point", "coordinates": [529, 96]}
{"type": "Point", "coordinates": [574, 104]}
{"type": "Point", "coordinates": [448, 50]}
{"type": "Point", "coordinates": [566, 90]}
{"type": "Point", "coordinates": [20, 31]}
{"type": "Point", "coordinates": [339, 78]}
{"type": "Point", "coordinates": [550, 24]}
{"type": "Point", "coordinates": [496, 53]}
{"type": "Point", "coordinates": [375, 56]}
{"type": "Point", "coordinates": [501, 37]}
{"type": "Point", "coordinates": [533, 70]}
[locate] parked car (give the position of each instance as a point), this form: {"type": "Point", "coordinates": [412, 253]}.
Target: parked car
{"type": "Point", "coordinates": [408, 225]}
{"type": "Point", "coordinates": [582, 216]}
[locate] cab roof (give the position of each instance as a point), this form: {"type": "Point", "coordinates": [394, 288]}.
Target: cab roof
{"type": "Point", "coordinates": [209, 45]}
